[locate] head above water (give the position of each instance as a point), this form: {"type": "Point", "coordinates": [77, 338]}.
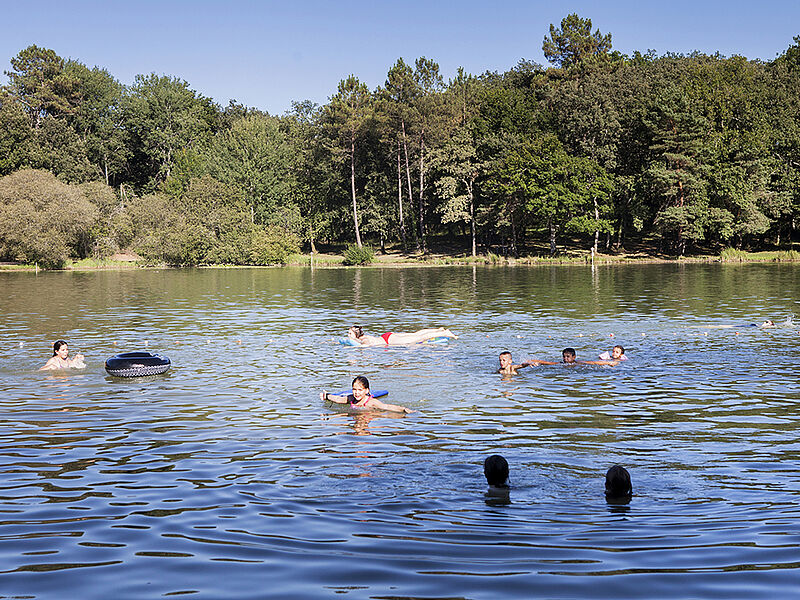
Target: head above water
{"type": "Point", "coordinates": [568, 355]}
{"type": "Point", "coordinates": [355, 331]}
{"type": "Point", "coordinates": [768, 323]}
{"type": "Point", "coordinates": [360, 379]}
{"type": "Point", "coordinates": [505, 359]}
{"type": "Point", "coordinates": [495, 468]}
{"type": "Point", "coordinates": [618, 483]}
{"type": "Point", "coordinates": [57, 346]}
{"type": "Point", "coordinates": [617, 351]}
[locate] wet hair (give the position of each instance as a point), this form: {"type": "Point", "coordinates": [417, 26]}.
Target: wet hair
{"type": "Point", "coordinates": [505, 352]}
{"type": "Point", "coordinates": [568, 352]}
{"type": "Point", "coordinates": [57, 346]}
{"type": "Point", "coordinates": [362, 380]}
{"type": "Point", "coordinates": [618, 482]}
{"type": "Point", "coordinates": [358, 330]}
{"type": "Point", "coordinates": [621, 349]}
{"type": "Point", "coordinates": [495, 467]}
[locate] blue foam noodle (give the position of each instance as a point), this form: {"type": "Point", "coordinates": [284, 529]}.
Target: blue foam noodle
{"type": "Point", "coordinates": [375, 394]}
{"type": "Point", "coordinates": [348, 342]}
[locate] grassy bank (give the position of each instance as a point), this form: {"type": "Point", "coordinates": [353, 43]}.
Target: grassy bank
{"type": "Point", "coordinates": [396, 258]}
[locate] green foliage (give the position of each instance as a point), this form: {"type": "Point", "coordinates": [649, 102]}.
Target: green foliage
{"type": "Point", "coordinates": [574, 42]}
{"type": "Point", "coordinates": [43, 220]}
{"type": "Point", "coordinates": [272, 245]}
{"type": "Point", "coordinates": [733, 255]}
{"type": "Point", "coordinates": [695, 151]}
{"type": "Point", "coordinates": [353, 255]}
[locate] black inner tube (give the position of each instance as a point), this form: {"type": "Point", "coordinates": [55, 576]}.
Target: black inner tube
{"type": "Point", "coordinates": [137, 364]}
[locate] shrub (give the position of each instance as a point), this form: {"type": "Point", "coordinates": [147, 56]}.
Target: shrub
{"type": "Point", "coordinates": [354, 255]}
{"type": "Point", "coordinates": [788, 255]}
{"type": "Point", "coordinates": [272, 245]}
{"type": "Point", "coordinates": [43, 220]}
{"type": "Point", "coordinates": [732, 255]}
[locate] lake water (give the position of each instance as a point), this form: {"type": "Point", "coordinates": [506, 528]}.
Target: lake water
{"type": "Point", "coordinates": [227, 477]}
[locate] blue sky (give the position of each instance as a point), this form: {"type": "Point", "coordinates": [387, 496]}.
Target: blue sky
{"type": "Point", "coordinates": [267, 54]}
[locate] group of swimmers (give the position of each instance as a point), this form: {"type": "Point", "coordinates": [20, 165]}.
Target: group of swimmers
{"type": "Point", "coordinates": [495, 469]}
{"type": "Point", "coordinates": [568, 357]}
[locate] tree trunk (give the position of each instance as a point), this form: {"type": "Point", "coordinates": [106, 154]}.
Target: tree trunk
{"type": "Point", "coordinates": [400, 200]}
{"type": "Point", "coordinates": [596, 218]}
{"type": "Point", "coordinates": [353, 186]}
{"type": "Point", "coordinates": [408, 177]}
{"type": "Point", "coordinates": [472, 220]}
{"type": "Point", "coordinates": [421, 203]}
{"type": "Point", "coordinates": [552, 227]}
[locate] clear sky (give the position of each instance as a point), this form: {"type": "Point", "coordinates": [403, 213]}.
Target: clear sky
{"type": "Point", "coordinates": [266, 54]}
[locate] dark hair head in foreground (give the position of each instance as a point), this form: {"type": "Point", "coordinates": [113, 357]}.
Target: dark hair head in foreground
{"type": "Point", "coordinates": [495, 467]}
{"type": "Point", "coordinates": [618, 484]}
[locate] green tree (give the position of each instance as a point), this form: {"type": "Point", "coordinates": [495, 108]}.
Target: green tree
{"type": "Point", "coordinates": [98, 120]}
{"type": "Point", "coordinates": [574, 42]}
{"type": "Point", "coordinates": [459, 167]}
{"type": "Point", "coordinates": [254, 156]}
{"type": "Point", "coordinates": [348, 115]}
{"type": "Point", "coordinates": [164, 116]}
{"type": "Point", "coordinates": [39, 81]}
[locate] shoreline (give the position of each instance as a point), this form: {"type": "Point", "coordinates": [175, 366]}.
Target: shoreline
{"type": "Point", "coordinates": [400, 260]}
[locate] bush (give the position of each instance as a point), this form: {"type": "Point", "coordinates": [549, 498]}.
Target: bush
{"type": "Point", "coordinates": [732, 255]}
{"type": "Point", "coordinates": [43, 220]}
{"type": "Point", "coordinates": [272, 245]}
{"type": "Point", "coordinates": [354, 255]}
{"type": "Point", "coordinates": [788, 255]}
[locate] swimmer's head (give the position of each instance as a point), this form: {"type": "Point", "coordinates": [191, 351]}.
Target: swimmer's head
{"type": "Point", "coordinates": [505, 359]}
{"type": "Point", "coordinates": [617, 351]}
{"type": "Point", "coordinates": [58, 345]}
{"type": "Point", "coordinates": [768, 323]}
{"type": "Point", "coordinates": [355, 332]}
{"type": "Point", "coordinates": [618, 483]}
{"type": "Point", "coordinates": [495, 467]}
{"type": "Point", "coordinates": [568, 355]}
{"type": "Point", "coordinates": [360, 387]}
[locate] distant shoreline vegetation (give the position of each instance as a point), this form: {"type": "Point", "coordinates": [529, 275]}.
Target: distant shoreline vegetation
{"type": "Point", "coordinates": [626, 157]}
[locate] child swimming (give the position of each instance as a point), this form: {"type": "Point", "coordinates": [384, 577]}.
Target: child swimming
{"type": "Point", "coordinates": [618, 485]}
{"type": "Point", "coordinates": [361, 398]}
{"type": "Point", "coordinates": [60, 359]}
{"type": "Point", "coordinates": [617, 353]}
{"type": "Point", "coordinates": [507, 366]}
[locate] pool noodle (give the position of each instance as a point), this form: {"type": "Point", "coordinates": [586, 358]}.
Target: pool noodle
{"type": "Point", "coordinates": [375, 394]}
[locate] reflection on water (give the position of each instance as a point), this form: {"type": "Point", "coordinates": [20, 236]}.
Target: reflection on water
{"type": "Point", "coordinates": [227, 477]}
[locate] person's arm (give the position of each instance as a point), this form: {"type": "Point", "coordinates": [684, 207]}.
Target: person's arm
{"type": "Point", "coordinates": [333, 397]}
{"type": "Point", "coordinates": [50, 365]}
{"type": "Point", "coordinates": [612, 363]}
{"type": "Point", "coordinates": [373, 403]}
{"type": "Point", "coordinates": [535, 362]}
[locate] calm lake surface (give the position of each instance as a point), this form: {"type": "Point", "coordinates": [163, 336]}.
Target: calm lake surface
{"type": "Point", "coordinates": [227, 477]}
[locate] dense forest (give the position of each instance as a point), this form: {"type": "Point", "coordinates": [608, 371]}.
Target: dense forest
{"type": "Point", "coordinates": [601, 150]}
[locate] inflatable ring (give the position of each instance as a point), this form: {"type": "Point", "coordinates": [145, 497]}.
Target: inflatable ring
{"type": "Point", "coordinates": [136, 364]}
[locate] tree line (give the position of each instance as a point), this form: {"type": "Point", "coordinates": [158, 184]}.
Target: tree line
{"type": "Point", "coordinates": [600, 149]}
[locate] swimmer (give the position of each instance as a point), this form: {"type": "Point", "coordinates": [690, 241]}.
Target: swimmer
{"type": "Point", "coordinates": [361, 398]}
{"type": "Point", "coordinates": [617, 353]}
{"type": "Point", "coordinates": [569, 357]}
{"type": "Point", "coordinates": [60, 359]}
{"type": "Point", "coordinates": [495, 468]}
{"type": "Point", "coordinates": [768, 323]}
{"type": "Point", "coordinates": [356, 333]}
{"type": "Point", "coordinates": [618, 484]}
{"type": "Point", "coordinates": [507, 366]}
